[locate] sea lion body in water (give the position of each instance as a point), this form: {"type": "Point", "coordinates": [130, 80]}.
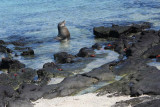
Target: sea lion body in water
{"type": "Point", "coordinates": [63, 32]}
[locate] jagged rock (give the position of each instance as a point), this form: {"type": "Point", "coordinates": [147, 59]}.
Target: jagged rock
{"type": "Point", "coordinates": [3, 49]}
{"type": "Point", "coordinates": [97, 46]}
{"type": "Point", "coordinates": [17, 43]}
{"type": "Point", "coordinates": [152, 52]}
{"type": "Point", "coordinates": [71, 85]}
{"type": "Point", "coordinates": [30, 91]}
{"type": "Point", "coordinates": [63, 57]}
{"type": "Point", "coordinates": [116, 31]}
{"type": "Point", "coordinates": [2, 42]}
{"type": "Point", "coordinates": [152, 103]}
{"type": "Point", "coordinates": [11, 64]}
{"type": "Point", "coordinates": [50, 64]}
{"type": "Point", "coordinates": [28, 52]}
{"type": "Point", "coordinates": [86, 52]}
{"type": "Point", "coordinates": [19, 103]}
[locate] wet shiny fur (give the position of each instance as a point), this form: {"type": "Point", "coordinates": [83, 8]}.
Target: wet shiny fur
{"type": "Point", "coordinates": [63, 32]}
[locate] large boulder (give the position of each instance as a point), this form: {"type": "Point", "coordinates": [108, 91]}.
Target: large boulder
{"type": "Point", "coordinates": [147, 83]}
{"type": "Point", "coordinates": [11, 64]}
{"type": "Point", "coordinates": [146, 41]}
{"type": "Point", "coordinates": [117, 31]}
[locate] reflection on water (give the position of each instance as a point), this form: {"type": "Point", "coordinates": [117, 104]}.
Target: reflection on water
{"type": "Point", "coordinates": [64, 45]}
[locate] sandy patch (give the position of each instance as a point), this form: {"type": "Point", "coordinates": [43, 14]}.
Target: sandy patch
{"type": "Point", "coordinates": [86, 100]}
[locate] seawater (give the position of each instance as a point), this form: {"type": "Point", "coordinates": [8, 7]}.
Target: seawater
{"type": "Point", "coordinates": [36, 21]}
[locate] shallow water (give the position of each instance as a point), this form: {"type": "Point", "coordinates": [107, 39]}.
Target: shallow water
{"type": "Point", "coordinates": [111, 56]}
{"type": "Point", "coordinates": [35, 21]}
{"type": "Point", "coordinates": [108, 56]}
{"type": "Point", "coordinates": [155, 64]}
{"type": "Point", "coordinates": [97, 86]}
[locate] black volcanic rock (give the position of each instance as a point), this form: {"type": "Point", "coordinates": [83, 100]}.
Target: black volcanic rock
{"type": "Point", "coordinates": [97, 46]}
{"type": "Point", "coordinates": [50, 64]}
{"type": "Point", "coordinates": [152, 52]}
{"type": "Point", "coordinates": [28, 52]}
{"type": "Point", "coordinates": [2, 42]}
{"type": "Point", "coordinates": [11, 64]}
{"type": "Point", "coordinates": [63, 57]}
{"type": "Point", "coordinates": [86, 52]}
{"type": "Point", "coordinates": [116, 31]}
{"type": "Point", "coordinates": [3, 49]}
{"type": "Point", "coordinates": [152, 103]}
{"type": "Point", "coordinates": [19, 103]}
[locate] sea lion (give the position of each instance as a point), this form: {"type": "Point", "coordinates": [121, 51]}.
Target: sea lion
{"type": "Point", "coordinates": [63, 32]}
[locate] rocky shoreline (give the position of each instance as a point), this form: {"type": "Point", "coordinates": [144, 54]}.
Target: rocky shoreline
{"type": "Point", "coordinates": [137, 46]}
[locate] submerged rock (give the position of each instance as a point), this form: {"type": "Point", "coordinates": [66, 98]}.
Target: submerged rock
{"type": "Point", "coordinates": [63, 57]}
{"type": "Point", "coordinates": [3, 49]}
{"type": "Point", "coordinates": [110, 46]}
{"type": "Point", "coordinates": [2, 42]}
{"type": "Point", "coordinates": [86, 52]}
{"type": "Point", "coordinates": [28, 52]}
{"type": "Point", "coordinates": [96, 46]}
{"type": "Point", "coordinates": [17, 43]}
{"type": "Point", "coordinates": [50, 64]}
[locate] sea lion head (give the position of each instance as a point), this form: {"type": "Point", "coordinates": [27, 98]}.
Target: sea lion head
{"type": "Point", "coordinates": [62, 24]}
